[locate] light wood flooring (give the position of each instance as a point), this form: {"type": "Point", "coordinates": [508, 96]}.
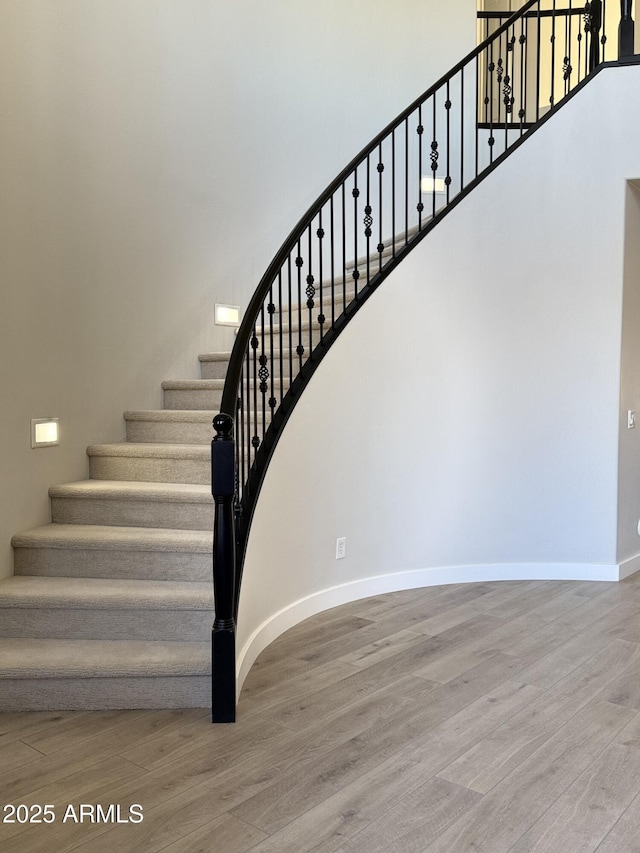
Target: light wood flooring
{"type": "Point", "coordinates": [486, 717]}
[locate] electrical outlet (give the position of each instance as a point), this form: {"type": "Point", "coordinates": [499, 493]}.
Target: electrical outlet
{"type": "Point", "coordinates": [341, 548]}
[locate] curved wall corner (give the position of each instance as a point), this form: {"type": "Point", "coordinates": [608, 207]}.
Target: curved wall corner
{"type": "Point", "coordinates": [465, 426]}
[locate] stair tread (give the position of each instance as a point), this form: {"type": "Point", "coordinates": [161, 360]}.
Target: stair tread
{"type": "Point", "coordinates": [98, 537]}
{"type": "Point", "coordinates": [214, 356]}
{"type": "Point", "coordinates": [104, 594]}
{"type": "Point", "coordinates": [133, 490]}
{"type": "Point", "coordinates": [22, 659]}
{"type": "Point", "coordinates": [193, 384]}
{"type": "Point", "coordinates": [179, 415]}
{"type": "Point", "coordinates": [150, 450]}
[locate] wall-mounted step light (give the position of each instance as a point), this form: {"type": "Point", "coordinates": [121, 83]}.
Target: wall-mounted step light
{"type": "Point", "coordinates": [44, 432]}
{"type": "Point", "coordinates": [430, 185]}
{"type": "Point", "coordinates": [227, 315]}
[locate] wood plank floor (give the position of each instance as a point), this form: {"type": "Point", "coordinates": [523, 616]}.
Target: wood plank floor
{"type": "Point", "coordinates": [487, 717]}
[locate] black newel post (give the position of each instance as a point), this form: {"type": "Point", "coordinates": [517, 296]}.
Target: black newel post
{"type": "Point", "coordinates": [626, 38]}
{"type": "Point", "coordinates": [223, 635]}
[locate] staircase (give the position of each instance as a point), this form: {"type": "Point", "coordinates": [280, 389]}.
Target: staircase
{"type": "Point", "coordinates": [111, 605]}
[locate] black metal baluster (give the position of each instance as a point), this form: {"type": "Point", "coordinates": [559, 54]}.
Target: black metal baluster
{"type": "Point", "coordinates": [368, 220]}
{"type": "Point", "coordinates": [420, 132]}
{"type": "Point", "coordinates": [434, 160]}
{"type": "Point", "coordinates": [281, 358]}
{"type": "Point", "coordinates": [355, 193]}
{"type": "Point", "coordinates": [538, 54]}
{"type": "Point", "coordinates": [238, 443]}
{"type": "Point", "coordinates": [579, 40]}
{"type": "Point", "coordinates": [255, 440]}
{"type": "Point", "coordinates": [310, 292]}
{"type": "Point", "coordinates": [588, 38]}
{"type": "Point", "coordinates": [333, 262]}
{"type": "Point", "coordinates": [320, 236]}
{"type": "Point", "coordinates": [492, 68]}
{"type": "Point", "coordinates": [523, 88]}
{"type": "Point", "coordinates": [447, 106]}
{"type": "Point", "coordinates": [393, 192]}
{"type": "Point", "coordinates": [506, 90]}
{"type": "Point", "coordinates": [526, 69]}
{"type": "Point", "coordinates": [344, 249]}
{"type": "Point", "coordinates": [290, 333]}
{"type": "Point", "coordinates": [380, 168]}
{"type": "Point", "coordinates": [499, 77]}
{"type": "Point", "coordinates": [300, 347]}
{"type": "Point", "coordinates": [240, 425]}
{"type": "Point", "coordinates": [462, 129]}
{"type": "Point", "coordinates": [603, 41]}
{"type": "Point", "coordinates": [406, 181]}
{"type": "Point", "coordinates": [491, 113]}
{"type": "Point", "coordinates": [568, 69]}
{"type": "Point", "coordinates": [553, 56]}
{"type": "Point", "coordinates": [272, 372]}
{"type": "Point", "coordinates": [263, 373]}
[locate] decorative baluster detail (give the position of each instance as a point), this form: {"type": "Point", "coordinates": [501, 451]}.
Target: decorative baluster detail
{"type": "Point", "coordinates": [368, 221]}
{"type": "Point", "coordinates": [263, 373]}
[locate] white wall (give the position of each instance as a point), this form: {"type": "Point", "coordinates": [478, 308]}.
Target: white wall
{"type": "Point", "coordinates": [155, 153]}
{"type": "Point", "coordinates": [465, 426]}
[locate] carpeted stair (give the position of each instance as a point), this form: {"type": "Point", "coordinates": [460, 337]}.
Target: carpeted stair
{"type": "Point", "coordinates": [111, 604]}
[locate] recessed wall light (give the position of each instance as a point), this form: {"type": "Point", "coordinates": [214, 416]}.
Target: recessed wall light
{"type": "Point", "coordinates": [227, 315]}
{"type": "Point", "coordinates": [430, 185]}
{"type": "Point", "coordinates": [45, 432]}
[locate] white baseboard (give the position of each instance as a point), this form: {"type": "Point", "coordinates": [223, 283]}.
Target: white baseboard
{"type": "Point", "coordinates": [303, 608]}
{"type": "Point", "coordinates": [629, 567]}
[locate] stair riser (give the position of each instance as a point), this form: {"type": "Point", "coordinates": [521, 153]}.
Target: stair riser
{"type": "Point", "coordinates": [182, 399]}
{"type": "Point", "coordinates": [173, 432]}
{"type": "Point", "coordinates": [123, 513]}
{"type": "Point", "coordinates": [97, 694]}
{"type": "Point", "coordinates": [127, 565]}
{"type": "Point", "coordinates": [150, 470]}
{"type": "Point", "coordinates": [114, 624]}
{"type": "Point", "coordinates": [213, 369]}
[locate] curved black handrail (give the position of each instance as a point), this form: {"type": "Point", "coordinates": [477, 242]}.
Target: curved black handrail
{"type": "Point", "coordinates": [232, 382]}
{"type": "Point", "coordinates": [456, 132]}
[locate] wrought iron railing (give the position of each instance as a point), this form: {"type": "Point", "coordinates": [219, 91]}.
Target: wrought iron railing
{"type": "Point", "coordinates": [564, 44]}
{"type": "Point", "coordinates": [366, 221]}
